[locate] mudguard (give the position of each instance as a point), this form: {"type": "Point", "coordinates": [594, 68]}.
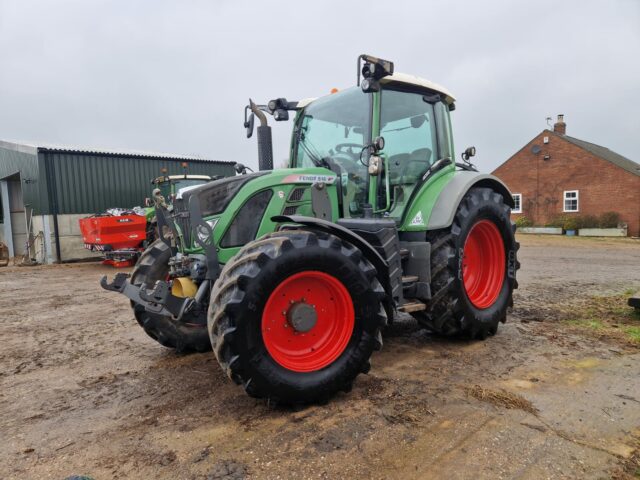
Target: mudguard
{"type": "Point", "coordinates": [367, 249]}
{"type": "Point", "coordinates": [451, 195]}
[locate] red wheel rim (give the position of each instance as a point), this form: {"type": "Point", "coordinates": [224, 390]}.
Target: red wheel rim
{"type": "Point", "coordinates": [483, 264]}
{"type": "Point", "coordinates": [312, 347]}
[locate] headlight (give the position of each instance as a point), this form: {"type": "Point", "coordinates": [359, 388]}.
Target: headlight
{"type": "Point", "coordinates": [203, 232]}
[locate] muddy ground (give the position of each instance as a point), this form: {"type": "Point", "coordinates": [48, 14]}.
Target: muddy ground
{"type": "Point", "coordinates": [556, 394]}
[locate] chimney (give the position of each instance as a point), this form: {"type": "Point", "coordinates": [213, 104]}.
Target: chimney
{"type": "Point", "coordinates": [560, 127]}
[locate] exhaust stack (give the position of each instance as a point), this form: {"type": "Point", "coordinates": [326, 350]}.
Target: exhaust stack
{"type": "Point", "coordinates": [265, 145]}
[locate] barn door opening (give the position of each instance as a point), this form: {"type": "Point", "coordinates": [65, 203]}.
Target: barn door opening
{"type": "Point", "coordinates": [17, 215]}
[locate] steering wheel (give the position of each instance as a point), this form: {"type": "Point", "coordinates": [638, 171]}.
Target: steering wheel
{"type": "Point", "coordinates": [345, 162]}
{"type": "Point", "coordinates": [340, 148]}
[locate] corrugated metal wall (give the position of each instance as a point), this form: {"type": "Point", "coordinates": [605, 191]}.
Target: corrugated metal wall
{"type": "Point", "coordinates": [89, 183]}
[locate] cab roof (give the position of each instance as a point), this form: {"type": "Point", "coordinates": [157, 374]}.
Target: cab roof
{"type": "Point", "coordinates": [418, 82]}
{"type": "Point", "coordinates": [401, 78]}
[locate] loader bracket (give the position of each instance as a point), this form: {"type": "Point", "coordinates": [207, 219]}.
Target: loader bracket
{"type": "Point", "coordinates": [157, 300]}
{"type": "Point", "coordinates": [118, 284]}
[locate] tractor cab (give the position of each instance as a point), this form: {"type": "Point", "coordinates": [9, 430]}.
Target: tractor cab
{"type": "Point", "coordinates": [407, 116]}
{"type": "Point", "coordinates": [169, 185]}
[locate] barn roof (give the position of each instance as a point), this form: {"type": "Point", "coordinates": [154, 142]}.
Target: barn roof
{"type": "Point", "coordinates": [35, 147]}
{"type": "Point", "coordinates": [606, 154]}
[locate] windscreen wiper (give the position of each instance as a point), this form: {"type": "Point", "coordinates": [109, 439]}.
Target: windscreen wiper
{"type": "Point", "coordinates": [315, 158]}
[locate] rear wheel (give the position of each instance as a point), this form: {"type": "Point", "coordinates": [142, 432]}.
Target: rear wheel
{"type": "Point", "coordinates": [188, 334]}
{"type": "Point", "coordinates": [473, 268]}
{"type": "Point", "coordinates": [295, 316]}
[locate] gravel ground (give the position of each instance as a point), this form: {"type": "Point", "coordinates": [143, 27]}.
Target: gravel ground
{"type": "Point", "coordinates": [84, 391]}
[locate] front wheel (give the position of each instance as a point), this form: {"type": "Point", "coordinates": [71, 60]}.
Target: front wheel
{"type": "Point", "coordinates": [473, 268]}
{"type": "Point", "coordinates": [295, 316]}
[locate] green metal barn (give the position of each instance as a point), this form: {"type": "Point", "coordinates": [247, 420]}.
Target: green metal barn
{"type": "Point", "coordinates": [50, 188]}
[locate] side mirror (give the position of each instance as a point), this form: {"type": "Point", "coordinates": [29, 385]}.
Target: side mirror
{"type": "Point", "coordinates": [248, 124]}
{"type": "Point", "coordinates": [468, 153]}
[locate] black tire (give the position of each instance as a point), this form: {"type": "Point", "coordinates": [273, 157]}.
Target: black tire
{"type": "Point", "coordinates": [239, 297]}
{"type": "Point", "coordinates": [451, 312]}
{"type": "Point", "coordinates": [190, 333]}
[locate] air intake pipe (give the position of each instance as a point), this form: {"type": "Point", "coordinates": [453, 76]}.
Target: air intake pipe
{"type": "Point", "coordinates": [265, 145]}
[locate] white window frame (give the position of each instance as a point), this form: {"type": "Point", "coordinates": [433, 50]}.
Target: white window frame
{"type": "Point", "coordinates": [564, 201]}
{"type": "Point", "coordinates": [519, 210]}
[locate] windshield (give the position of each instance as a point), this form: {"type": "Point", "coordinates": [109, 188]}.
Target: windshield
{"type": "Point", "coordinates": [331, 132]}
{"type": "Point", "coordinates": [165, 187]}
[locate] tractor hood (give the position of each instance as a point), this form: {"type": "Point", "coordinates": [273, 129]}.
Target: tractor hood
{"type": "Point", "coordinates": [215, 196]}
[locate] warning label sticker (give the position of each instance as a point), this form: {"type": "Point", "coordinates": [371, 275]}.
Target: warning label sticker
{"type": "Point", "coordinates": [417, 220]}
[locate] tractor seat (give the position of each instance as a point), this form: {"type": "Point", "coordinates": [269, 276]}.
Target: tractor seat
{"type": "Point", "coordinates": [407, 168]}
{"type": "Point", "coordinates": [421, 154]}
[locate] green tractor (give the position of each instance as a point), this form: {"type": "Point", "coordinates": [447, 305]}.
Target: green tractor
{"type": "Point", "coordinates": [291, 275]}
{"type": "Point", "coordinates": [168, 186]}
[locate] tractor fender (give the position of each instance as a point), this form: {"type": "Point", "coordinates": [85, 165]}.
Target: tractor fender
{"type": "Point", "coordinates": [367, 249]}
{"type": "Point", "coordinates": [451, 195]}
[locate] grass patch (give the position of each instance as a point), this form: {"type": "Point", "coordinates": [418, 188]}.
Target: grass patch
{"type": "Point", "coordinates": [608, 316]}
{"type": "Point", "coordinates": [592, 324]}
{"type": "Point", "coordinates": [633, 333]}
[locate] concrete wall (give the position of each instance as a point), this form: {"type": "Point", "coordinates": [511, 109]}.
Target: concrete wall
{"type": "Point", "coordinates": [71, 244]}
{"type": "Point", "coordinates": [44, 242]}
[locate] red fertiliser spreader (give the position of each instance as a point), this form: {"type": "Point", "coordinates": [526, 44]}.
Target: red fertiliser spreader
{"type": "Point", "coordinates": [119, 234]}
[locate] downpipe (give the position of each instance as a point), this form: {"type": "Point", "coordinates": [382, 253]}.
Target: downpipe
{"type": "Point", "coordinates": [265, 144]}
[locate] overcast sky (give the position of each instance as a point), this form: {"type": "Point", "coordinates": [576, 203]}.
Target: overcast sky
{"type": "Point", "coordinates": [174, 76]}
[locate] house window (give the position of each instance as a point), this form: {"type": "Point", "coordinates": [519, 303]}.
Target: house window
{"type": "Point", "coordinates": [517, 203]}
{"type": "Point", "coordinates": [570, 201]}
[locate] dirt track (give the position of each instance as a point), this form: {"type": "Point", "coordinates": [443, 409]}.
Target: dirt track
{"type": "Point", "coordinates": [84, 391]}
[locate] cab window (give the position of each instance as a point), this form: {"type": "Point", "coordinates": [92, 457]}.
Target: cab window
{"type": "Point", "coordinates": [407, 123]}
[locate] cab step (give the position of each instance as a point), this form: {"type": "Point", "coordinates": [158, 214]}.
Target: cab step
{"type": "Point", "coordinates": [409, 279]}
{"type": "Point", "coordinates": [412, 306]}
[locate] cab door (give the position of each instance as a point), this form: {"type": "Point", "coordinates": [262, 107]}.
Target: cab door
{"type": "Point", "coordinates": [416, 130]}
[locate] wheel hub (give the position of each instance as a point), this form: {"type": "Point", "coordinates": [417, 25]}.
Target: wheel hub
{"type": "Point", "coordinates": [302, 317]}
{"type": "Point", "coordinates": [307, 321]}
{"type": "Point", "coordinates": [483, 264]}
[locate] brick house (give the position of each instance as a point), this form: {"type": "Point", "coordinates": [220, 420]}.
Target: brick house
{"type": "Point", "coordinates": [555, 174]}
